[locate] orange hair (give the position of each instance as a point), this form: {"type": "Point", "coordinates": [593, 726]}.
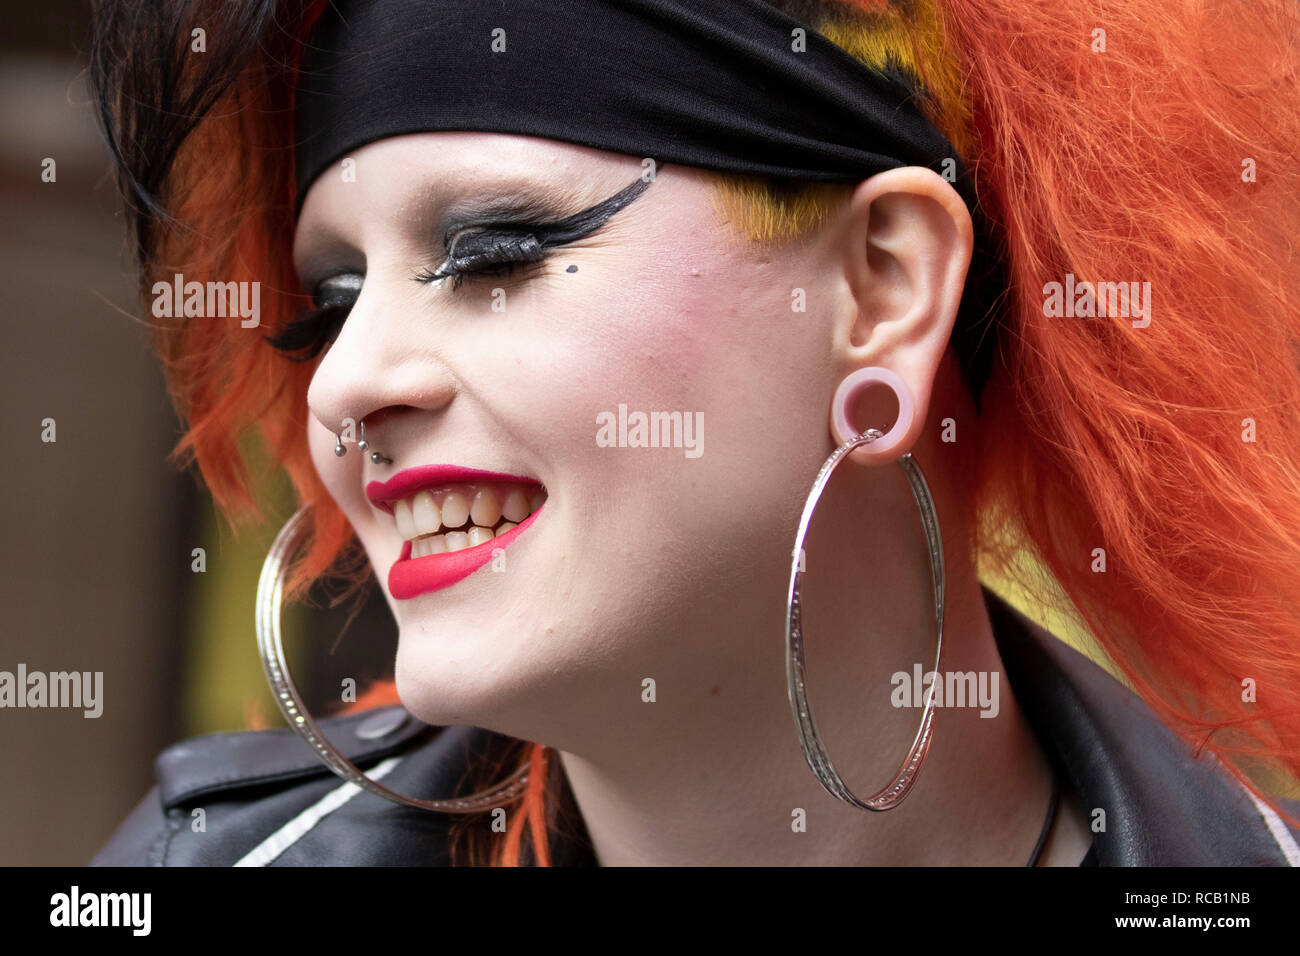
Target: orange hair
{"type": "Point", "coordinates": [1161, 150]}
{"type": "Point", "coordinates": [1112, 156]}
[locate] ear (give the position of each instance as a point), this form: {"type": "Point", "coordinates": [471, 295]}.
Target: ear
{"type": "Point", "coordinates": [907, 247]}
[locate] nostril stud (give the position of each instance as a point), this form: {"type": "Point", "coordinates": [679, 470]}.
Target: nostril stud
{"type": "Point", "coordinates": [362, 445]}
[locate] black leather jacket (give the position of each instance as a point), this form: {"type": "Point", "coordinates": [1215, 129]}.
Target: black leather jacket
{"type": "Point", "coordinates": [267, 800]}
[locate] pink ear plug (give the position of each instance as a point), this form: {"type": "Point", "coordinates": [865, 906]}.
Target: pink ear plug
{"type": "Point", "coordinates": [846, 397]}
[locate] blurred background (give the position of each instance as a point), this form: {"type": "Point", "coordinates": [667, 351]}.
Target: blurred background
{"type": "Point", "coordinates": [98, 529]}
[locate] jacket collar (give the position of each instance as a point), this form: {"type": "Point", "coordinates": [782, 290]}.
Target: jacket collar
{"type": "Point", "coordinates": [1162, 805]}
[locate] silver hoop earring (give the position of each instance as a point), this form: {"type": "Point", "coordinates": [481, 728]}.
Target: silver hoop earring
{"type": "Point", "coordinates": [814, 750]}
{"type": "Point", "coordinates": [339, 448]}
{"type": "Point", "coordinates": [270, 588]}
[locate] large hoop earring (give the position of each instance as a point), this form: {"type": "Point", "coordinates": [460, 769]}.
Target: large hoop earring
{"type": "Point", "coordinates": [270, 588]}
{"type": "Point", "coordinates": [814, 750]}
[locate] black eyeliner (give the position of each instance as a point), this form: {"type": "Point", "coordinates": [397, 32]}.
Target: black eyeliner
{"type": "Point", "coordinates": [503, 213]}
{"type": "Point", "coordinates": [546, 234]}
{"type": "Point", "coordinates": [516, 242]}
{"type": "Point", "coordinates": [589, 220]}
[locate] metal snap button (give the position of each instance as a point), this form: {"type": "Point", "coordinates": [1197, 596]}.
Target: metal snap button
{"type": "Point", "coordinates": [382, 724]}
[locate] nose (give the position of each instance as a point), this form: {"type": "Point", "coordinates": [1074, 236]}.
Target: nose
{"type": "Point", "coordinates": [375, 372]}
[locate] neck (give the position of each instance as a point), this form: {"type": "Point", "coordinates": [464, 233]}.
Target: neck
{"type": "Point", "coordinates": [711, 772]}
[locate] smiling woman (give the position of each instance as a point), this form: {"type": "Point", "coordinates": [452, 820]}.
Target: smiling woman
{"type": "Point", "coordinates": [823, 227]}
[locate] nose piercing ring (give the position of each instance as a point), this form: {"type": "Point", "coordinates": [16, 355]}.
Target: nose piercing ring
{"type": "Point", "coordinates": [375, 456]}
{"type": "Point", "coordinates": [362, 445]}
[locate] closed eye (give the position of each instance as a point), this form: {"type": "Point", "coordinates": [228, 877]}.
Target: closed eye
{"type": "Point", "coordinates": [486, 253]}
{"type": "Point", "coordinates": [493, 248]}
{"type": "Point", "coordinates": [306, 336]}
{"type": "Point", "coordinates": [498, 246]}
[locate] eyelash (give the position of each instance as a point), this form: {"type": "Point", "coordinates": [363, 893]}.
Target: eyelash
{"type": "Point", "coordinates": [493, 254]}
{"type": "Point", "coordinates": [305, 337]}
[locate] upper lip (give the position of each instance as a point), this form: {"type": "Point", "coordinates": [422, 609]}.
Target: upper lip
{"type": "Point", "coordinates": [408, 481]}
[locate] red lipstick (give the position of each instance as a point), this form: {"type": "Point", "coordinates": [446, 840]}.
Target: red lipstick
{"type": "Point", "coordinates": [410, 577]}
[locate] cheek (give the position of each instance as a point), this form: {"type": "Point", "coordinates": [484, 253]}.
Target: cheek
{"type": "Point", "coordinates": [711, 328]}
{"type": "Point", "coordinates": [703, 336]}
{"type": "Point", "coordinates": [341, 477]}
{"type": "Point", "coordinates": [717, 336]}
{"type": "Point", "coordinates": [320, 442]}
{"type": "Point", "coordinates": [331, 468]}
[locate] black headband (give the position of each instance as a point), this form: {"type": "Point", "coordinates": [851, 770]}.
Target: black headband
{"type": "Point", "coordinates": [717, 84]}
{"type": "Point", "coordinates": [713, 84]}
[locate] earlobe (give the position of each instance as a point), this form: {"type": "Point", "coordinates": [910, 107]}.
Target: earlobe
{"type": "Point", "coordinates": [910, 239]}
{"type": "Point", "coordinates": [846, 398]}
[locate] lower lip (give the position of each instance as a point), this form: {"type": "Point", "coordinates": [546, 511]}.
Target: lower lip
{"type": "Point", "coordinates": [410, 577]}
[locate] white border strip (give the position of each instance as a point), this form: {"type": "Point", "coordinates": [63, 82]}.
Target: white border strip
{"type": "Point", "coordinates": [297, 828]}
{"type": "Point", "coordinates": [1276, 826]}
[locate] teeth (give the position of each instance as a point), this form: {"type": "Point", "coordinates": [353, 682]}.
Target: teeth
{"type": "Point", "coordinates": [487, 508]}
{"type": "Point", "coordinates": [427, 517]}
{"type": "Point", "coordinates": [405, 523]}
{"type": "Point", "coordinates": [455, 510]}
{"type": "Point", "coordinates": [516, 506]}
{"type": "Point", "coordinates": [475, 513]}
{"type": "Point", "coordinates": [434, 544]}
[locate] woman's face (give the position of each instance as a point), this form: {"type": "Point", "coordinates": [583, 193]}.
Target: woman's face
{"type": "Point", "coordinates": [643, 562]}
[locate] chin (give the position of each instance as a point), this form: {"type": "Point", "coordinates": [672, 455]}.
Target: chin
{"type": "Point", "coordinates": [431, 691]}
{"type": "Point", "coordinates": [460, 673]}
